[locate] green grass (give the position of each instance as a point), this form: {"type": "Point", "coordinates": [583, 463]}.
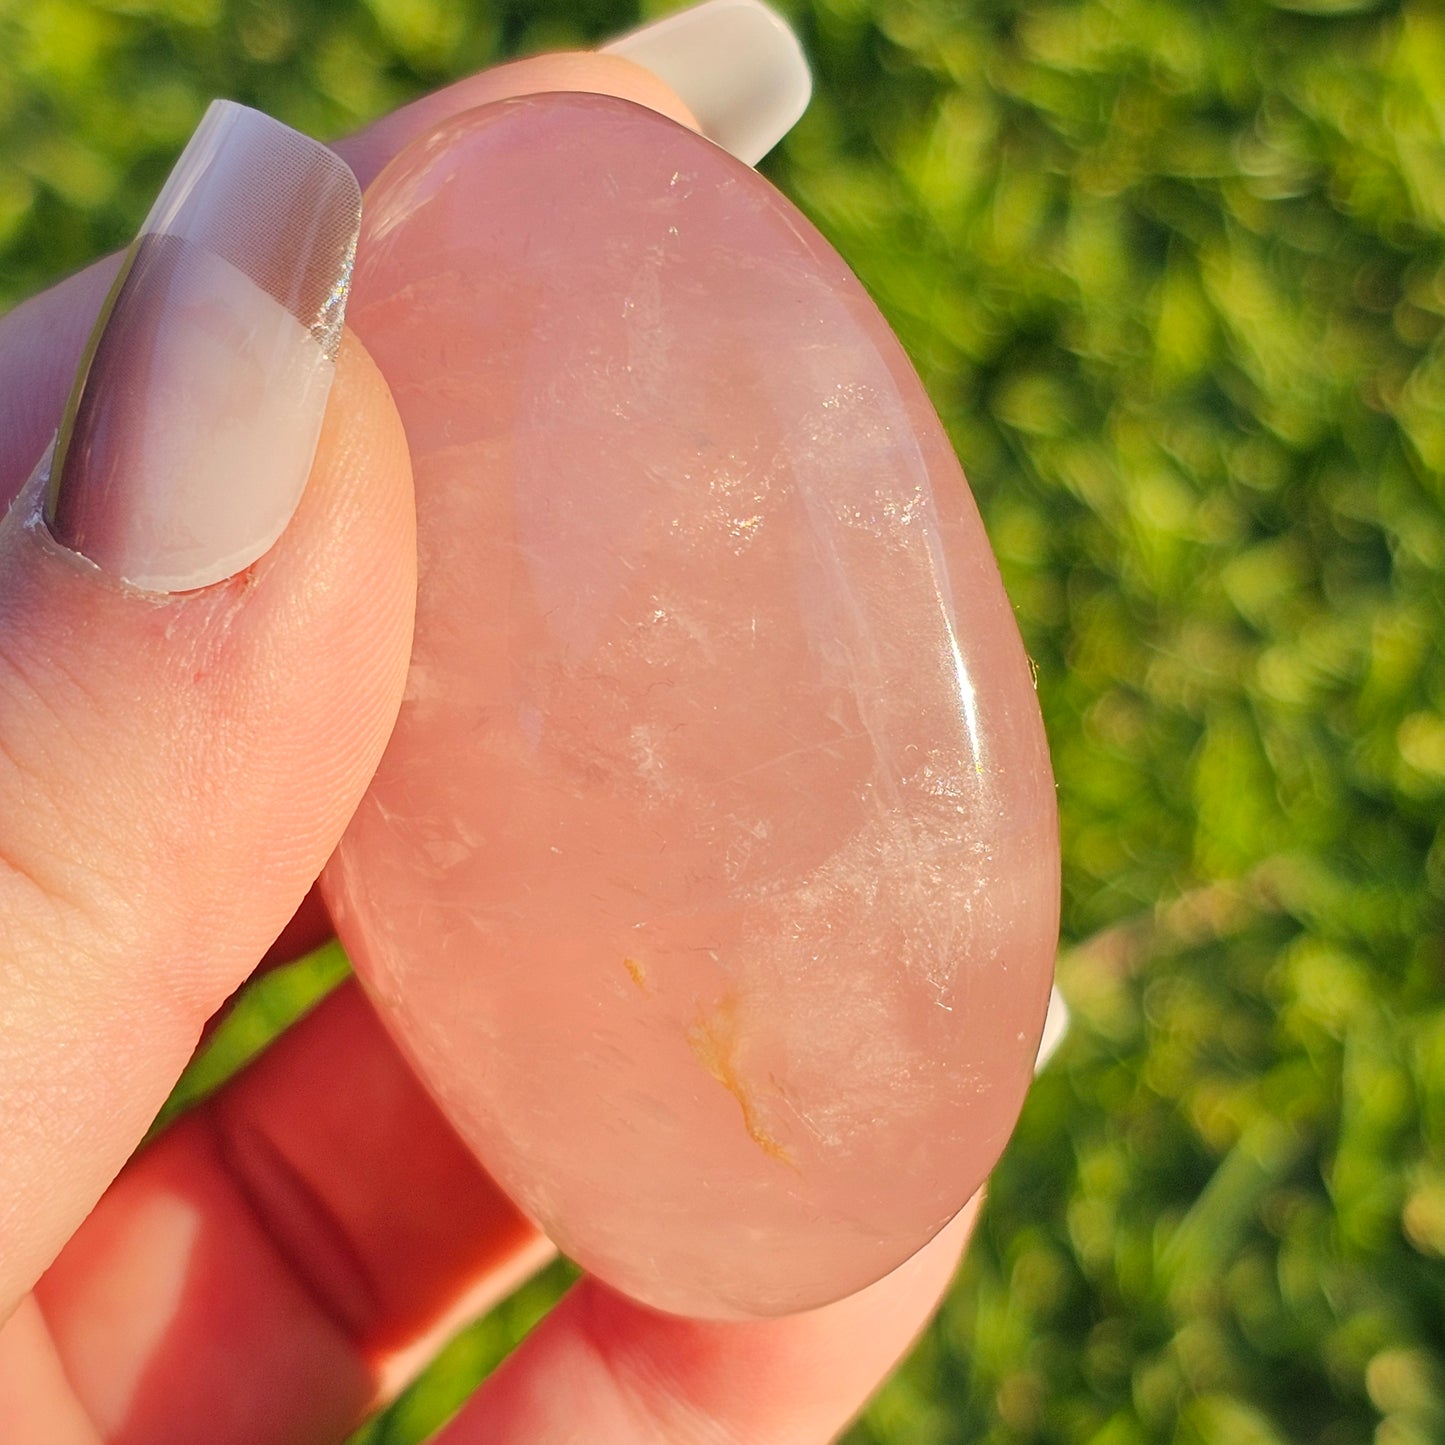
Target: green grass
{"type": "Point", "coordinates": [1174, 274]}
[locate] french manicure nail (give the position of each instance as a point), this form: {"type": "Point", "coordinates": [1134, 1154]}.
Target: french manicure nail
{"type": "Point", "coordinates": [197, 407]}
{"type": "Point", "coordinates": [1056, 1027]}
{"type": "Point", "coordinates": [735, 63]}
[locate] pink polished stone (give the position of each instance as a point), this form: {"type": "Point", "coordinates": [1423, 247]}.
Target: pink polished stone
{"type": "Point", "coordinates": [711, 876]}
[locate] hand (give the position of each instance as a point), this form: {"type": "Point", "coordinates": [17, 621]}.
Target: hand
{"type": "Point", "coordinates": [173, 772]}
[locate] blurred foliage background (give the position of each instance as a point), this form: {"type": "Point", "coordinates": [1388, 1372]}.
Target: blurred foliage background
{"type": "Point", "coordinates": [1174, 274]}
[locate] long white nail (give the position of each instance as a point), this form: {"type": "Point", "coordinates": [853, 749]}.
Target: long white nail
{"type": "Point", "coordinates": [736, 65]}
{"type": "Point", "coordinates": [195, 414]}
{"type": "Point", "coordinates": [1056, 1025]}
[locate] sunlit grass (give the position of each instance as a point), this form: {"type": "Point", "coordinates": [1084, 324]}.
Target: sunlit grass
{"type": "Point", "coordinates": [1175, 277]}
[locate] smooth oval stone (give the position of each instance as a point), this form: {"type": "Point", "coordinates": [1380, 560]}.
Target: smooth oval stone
{"type": "Point", "coordinates": [711, 876]}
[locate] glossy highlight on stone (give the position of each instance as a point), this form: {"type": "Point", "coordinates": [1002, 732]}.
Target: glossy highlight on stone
{"type": "Point", "coordinates": [711, 875]}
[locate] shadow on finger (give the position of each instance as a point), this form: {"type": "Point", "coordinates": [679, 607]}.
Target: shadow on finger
{"type": "Point", "coordinates": [285, 1256]}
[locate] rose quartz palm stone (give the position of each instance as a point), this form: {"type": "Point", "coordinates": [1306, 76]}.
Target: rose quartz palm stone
{"type": "Point", "coordinates": [711, 876]}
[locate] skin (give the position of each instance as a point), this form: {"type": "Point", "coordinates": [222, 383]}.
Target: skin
{"type": "Point", "coordinates": [285, 1258]}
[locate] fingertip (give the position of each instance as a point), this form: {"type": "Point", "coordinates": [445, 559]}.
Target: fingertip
{"type": "Point", "coordinates": [617, 75]}
{"type": "Point", "coordinates": [633, 1373]}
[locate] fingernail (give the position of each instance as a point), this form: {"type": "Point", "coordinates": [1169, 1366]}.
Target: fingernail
{"type": "Point", "coordinates": [196, 410]}
{"type": "Point", "coordinates": [1056, 1026]}
{"type": "Point", "coordinates": [735, 63]}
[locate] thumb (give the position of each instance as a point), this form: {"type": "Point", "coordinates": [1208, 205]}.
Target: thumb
{"type": "Point", "coordinates": [201, 654]}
